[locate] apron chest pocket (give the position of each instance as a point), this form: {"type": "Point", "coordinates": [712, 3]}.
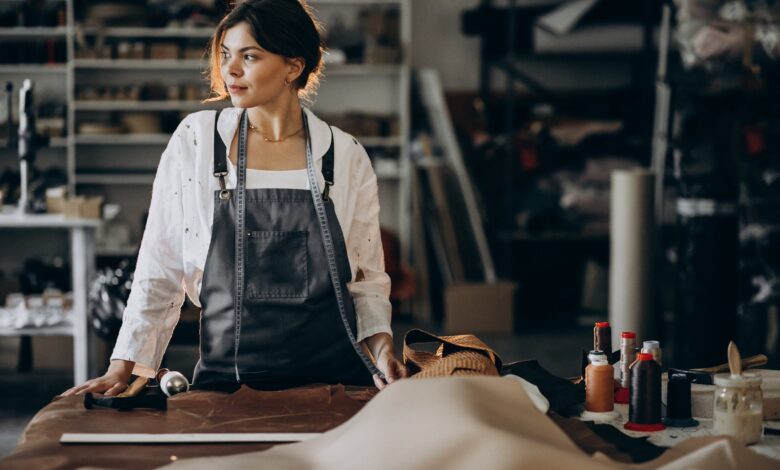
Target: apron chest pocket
{"type": "Point", "coordinates": [276, 265]}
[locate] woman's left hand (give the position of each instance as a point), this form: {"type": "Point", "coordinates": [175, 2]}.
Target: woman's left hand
{"type": "Point", "coordinates": [389, 365]}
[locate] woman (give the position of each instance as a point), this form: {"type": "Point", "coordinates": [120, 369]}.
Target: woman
{"type": "Point", "coordinates": [284, 229]}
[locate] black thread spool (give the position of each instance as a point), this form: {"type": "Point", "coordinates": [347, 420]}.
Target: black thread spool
{"type": "Point", "coordinates": [644, 404]}
{"type": "Point", "coordinates": [678, 403]}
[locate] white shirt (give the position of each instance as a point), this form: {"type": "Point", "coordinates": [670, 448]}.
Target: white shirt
{"type": "Point", "coordinates": [176, 240]}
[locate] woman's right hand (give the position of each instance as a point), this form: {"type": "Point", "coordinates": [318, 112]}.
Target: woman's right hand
{"type": "Point", "coordinates": [112, 383]}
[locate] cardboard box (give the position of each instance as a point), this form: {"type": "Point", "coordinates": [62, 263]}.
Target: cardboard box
{"type": "Point", "coordinates": [163, 50]}
{"type": "Point", "coordinates": [479, 308]}
{"type": "Point", "coordinates": [55, 199]}
{"type": "Point", "coordinates": [83, 207]}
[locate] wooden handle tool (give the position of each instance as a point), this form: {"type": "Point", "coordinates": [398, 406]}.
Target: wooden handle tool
{"type": "Point", "coordinates": [135, 388]}
{"type": "Point", "coordinates": [747, 363]}
{"type": "Point", "coordinates": [735, 360]}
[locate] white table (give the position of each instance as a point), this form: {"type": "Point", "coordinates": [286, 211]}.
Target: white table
{"type": "Point", "coordinates": [769, 445]}
{"type": "Point", "coordinates": [82, 243]}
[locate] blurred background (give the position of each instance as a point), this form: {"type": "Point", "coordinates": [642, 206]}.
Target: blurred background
{"type": "Point", "coordinates": [542, 165]}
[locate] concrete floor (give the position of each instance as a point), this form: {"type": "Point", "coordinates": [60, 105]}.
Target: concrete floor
{"type": "Point", "coordinates": [22, 395]}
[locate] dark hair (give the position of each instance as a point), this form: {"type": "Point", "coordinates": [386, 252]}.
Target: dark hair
{"type": "Point", "coordinates": [284, 27]}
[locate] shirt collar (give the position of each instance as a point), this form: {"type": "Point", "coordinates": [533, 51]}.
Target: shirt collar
{"type": "Point", "coordinates": [318, 129]}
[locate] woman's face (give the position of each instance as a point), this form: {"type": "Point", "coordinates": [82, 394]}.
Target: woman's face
{"type": "Point", "coordinates": [254, 76]}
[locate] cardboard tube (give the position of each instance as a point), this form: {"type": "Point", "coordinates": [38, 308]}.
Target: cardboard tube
{"type": "Point", "coordinates": [632, 234]}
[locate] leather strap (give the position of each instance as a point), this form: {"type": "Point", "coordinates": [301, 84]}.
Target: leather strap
{"type": "Point", "coordinates": [449, 345]}
{"type": "Point", "coordinates": [220, 159]}
{"type": "Point", "coordinates": [327, 167]}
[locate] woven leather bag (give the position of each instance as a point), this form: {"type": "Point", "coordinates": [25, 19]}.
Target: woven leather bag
{"type": "Point", "coordinates": [456, 355]}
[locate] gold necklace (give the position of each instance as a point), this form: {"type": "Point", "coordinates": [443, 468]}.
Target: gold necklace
{"type": "Point", "coordinates": [272, 140]}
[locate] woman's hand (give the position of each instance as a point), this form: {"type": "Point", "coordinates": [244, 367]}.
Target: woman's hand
{"type": "Point", "coordinates": [112, 383]}
{"type": "Point", "coordinates": [391, 367]}
{"type": "Point", "coordinates": [381, 347]}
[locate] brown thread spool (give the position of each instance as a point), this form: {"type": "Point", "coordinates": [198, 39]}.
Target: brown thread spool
{"type": "Point", "coordinates": [644, 405]}
{"type": "Point", "coordinates": [627, 356]}
{"type": "Point", "coordinates": [599, 380]}
{"type": "Point", "coordinates": [602, 338]}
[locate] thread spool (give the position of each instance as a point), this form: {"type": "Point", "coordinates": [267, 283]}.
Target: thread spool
{"type": "Point", "coordinates": [627, 357]}
{"type": "Point", "coordinates": [599, 380]}
{"type": "Point", "coordinates": [602, 337]}
{"type": "Point", "coordinates": [653, 347]}
{"type": "Point", "coordinates": [678, 403]}
{"type": "Point", "coordinates": [644, 405]}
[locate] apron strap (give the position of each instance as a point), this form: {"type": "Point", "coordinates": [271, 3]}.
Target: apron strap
{"type": "Point", "coordinates": [220, 160]}
{"type": "Point", "coordinates": [327, 167]}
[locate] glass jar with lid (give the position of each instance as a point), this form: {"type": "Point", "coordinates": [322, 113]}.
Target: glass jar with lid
{"type": "Point", "coordinates": [738, 407]}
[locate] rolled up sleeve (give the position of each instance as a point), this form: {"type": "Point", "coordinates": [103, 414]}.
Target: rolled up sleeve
{"type": "Point", "coordinates": [157, 293]}
{"type": "Point", "coordinates": [371, 288]}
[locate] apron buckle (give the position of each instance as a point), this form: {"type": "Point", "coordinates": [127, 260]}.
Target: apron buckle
{"type": "Point", "coordinates": [224, 194]}
{"type": "Point", "coordinates": [325, 192]}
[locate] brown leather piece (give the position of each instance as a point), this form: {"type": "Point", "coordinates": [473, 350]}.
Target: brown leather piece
{"type": "Point", "coordinates": [306, 409]}
{"type": "Point", "coordinates": [456, 355]}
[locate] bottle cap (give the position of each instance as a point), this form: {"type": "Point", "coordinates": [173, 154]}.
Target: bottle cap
{"type": "Point", "coordinates": [644, 357]}
{"type": "Point", "coordinates": [602, 324]}
{"type": "Point", "coordinates": [628, 334]}
{"type": "Point", "coordinates": [651, 345]}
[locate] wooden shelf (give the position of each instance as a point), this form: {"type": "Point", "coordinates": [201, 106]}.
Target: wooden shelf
{"type": "Point", "coordinates": [9, 218]}
{"type": "Point", "coordinates": [140, 64]}
{"type": "Point", "coordinates": [123, 139]}
{"type": "Point", "coordinates": [140, 32]}
{"type": "Point", "coordinates": [110, 105]}
{"type": "Point", "coordinates": [34, 32]}
{"type": "Point", "coordinates": [55, 142]}
{"type": "Point", "coordinates": [362, 69]}
{"type": "Point", "coordinates": [123, 179]}
{"type": "Point", "coordinates": [32, 68]}
{"type": "Point", "coordinates": [57, 330]}
{"type": "Point", "coordinates": [355, 2]}
{"type": "Point", "coordinates": [393, 141]}
{"type": "Point", "coordinates": [121, 251]}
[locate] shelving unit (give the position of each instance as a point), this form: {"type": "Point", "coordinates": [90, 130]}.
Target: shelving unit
{"type": "Point", "coordinates": [82, 243]}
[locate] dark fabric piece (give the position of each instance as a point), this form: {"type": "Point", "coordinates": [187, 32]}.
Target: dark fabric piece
{"type": "Point", "coordinates": [561, 393]}
{"type": "Point", "coordinates": [316, 408]}
{"type": "Point", "coordinates": [290, 331]}
{"type": "Point", "coordinates": [605, 438]}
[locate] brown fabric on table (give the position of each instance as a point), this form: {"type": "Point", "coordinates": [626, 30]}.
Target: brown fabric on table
{"type": "Point", "coordinates": [456, 355]}
{"type": "Point", "coordinates": [307, 409]}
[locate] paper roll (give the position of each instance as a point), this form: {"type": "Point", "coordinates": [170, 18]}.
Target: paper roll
{"type": "Point", "coordinates": [632, 233]}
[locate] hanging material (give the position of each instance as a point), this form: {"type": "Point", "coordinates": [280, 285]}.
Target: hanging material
{"type": "Point", "coordinates": [632, 232]}
{"type": "Point", "coordinates": [433, 98]}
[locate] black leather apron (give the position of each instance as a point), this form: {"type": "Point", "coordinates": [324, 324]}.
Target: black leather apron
{"type": "Point", "coordinates": [283, 327]}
